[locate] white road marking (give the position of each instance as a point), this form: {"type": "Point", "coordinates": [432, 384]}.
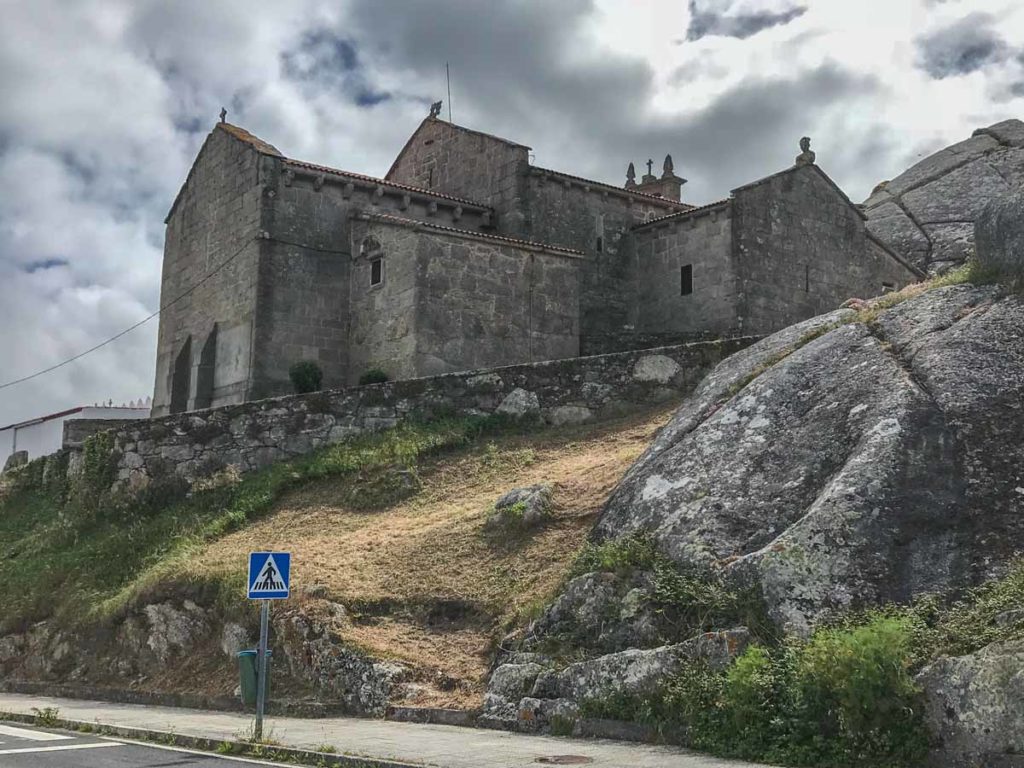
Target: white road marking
{"type": "Point", "coordinates": [236, 758]}
{"type": "Point", "coordinates": [61, 748]}
{"type": "Point", "coordinates": [24, 733]}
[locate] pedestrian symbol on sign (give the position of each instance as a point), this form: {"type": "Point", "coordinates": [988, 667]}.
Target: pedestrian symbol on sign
{"type": "Point", "coordinates": [268, 575]}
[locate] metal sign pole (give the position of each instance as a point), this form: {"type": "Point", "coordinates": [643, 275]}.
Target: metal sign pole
{"type": "Point", "coordinates": [261, 677]}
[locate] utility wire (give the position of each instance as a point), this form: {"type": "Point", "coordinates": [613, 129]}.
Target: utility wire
{"type": "Point", "coordinates": [145, 320]}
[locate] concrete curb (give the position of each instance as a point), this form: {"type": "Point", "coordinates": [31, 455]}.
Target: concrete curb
{"type": "Point", "coordinates": [306, 709]}
{"type": "Point", "coordinates": [203, 744]}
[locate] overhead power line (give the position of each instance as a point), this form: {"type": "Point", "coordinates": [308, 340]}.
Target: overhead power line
{"type": "Point", "coordinates": [145, 320]}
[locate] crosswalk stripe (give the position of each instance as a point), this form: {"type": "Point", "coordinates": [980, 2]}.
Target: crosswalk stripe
{"type": "Point", "coordinates": [24, 733]}
{"type": "Point", "coordinates": [59, 748]}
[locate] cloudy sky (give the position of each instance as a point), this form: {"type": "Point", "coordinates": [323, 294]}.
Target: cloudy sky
{"type": "Point", "coordinates": [104, 105]}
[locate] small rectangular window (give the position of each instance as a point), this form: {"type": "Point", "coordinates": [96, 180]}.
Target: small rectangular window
{"type": "Point", "coordinates": [807, 278]}
{"type": "Point", "coordinates": [376, 271]}
{"type": "Point", "coordinates": [888, 287]}
{"type": "Point", "coordinates": [686, 280]}
{"type": "Point", "coordinates": [600, 243]}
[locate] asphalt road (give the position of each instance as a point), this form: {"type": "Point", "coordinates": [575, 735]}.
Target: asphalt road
{"type": "Point", "coordinates": [31, 747]}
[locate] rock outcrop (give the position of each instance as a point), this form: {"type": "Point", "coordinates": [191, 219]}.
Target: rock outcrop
{"type": "Point", "coordinates": [521, 508]}
{"type": "Point", "coordinates": [973, 704]}
{"type": "Point", "coordinates": [999, 236]}
{"type": "Point", "coordinates": [857, 458]}
{"type": "Point", "coordinates": [872, 462]}
{"type": "Point", "coordinates": [524, 694]}
{"type": "Point", "coordinates": [927, 213]}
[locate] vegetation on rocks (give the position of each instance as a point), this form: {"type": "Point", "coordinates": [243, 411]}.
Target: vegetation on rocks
{"type": "Point", "coordinates": [692, 601]}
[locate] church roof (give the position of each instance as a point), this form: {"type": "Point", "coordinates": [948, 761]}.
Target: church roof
{"type": "Point", "coordinates": [889, 250]}
{"type": "Point", "coordinates": [386, 183]}
{"type": "Point", "coordinates": [266, 148]}
{"type": "Point", "coordinates": [700, 209]}
{"type": "Point", "coordinates": [256, 142]}
{"type": "Point", "coordinates": [401, 221]}
{"type": "Point", "coordinates": [612, 188]}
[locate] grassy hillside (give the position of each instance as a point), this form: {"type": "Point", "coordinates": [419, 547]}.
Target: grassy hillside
{"type": "Point", "coordinates": [391, 526]}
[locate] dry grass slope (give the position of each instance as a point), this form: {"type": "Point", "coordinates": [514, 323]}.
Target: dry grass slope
{"type": "Point", "coordinates": [421, 581]}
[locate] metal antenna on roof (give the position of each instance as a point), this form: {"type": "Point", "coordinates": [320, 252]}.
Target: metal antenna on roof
{"type": "Point", "coordinates": [448, 77]}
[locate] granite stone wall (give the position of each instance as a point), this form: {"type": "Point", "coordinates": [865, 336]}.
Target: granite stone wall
{"type": "Point", "coordinates": [597, 221]}
{"type": "Point", "coordinates": [382, 333]}
{"type": "Point", "coordinates": [459, 161]}
{"type": "Point", "coordinates": [456, 301]}
{"type": "Point", "coordinates": [801, 249]}
{"type": "Point", "coordinates": [253, 435]}
{"type": "Point", "coordinates": [214, 223]}
{"type": "Point", "coordinates": [624, 341]}
{"type": "Point", "coordinates": [701, 241]}
{"type": "Point", "coordinates": [308, 293]}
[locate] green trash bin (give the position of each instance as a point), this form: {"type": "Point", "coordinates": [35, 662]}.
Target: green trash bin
{"type": "Point", "coordinates": [247, 672]}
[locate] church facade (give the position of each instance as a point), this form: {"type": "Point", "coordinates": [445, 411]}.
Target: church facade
{"type": "Point", "coordinates": [466, 255]}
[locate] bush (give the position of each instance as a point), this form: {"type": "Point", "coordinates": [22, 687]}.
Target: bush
{"type": "Point", "coordinates": [843, 698]}
{"type": "Point", "coordinates": [306, 377]}
{"type": "Point", "coordinates": [373, 376]}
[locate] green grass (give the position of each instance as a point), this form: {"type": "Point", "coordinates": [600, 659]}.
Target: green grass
{"type": "Point", "coordinates": [80, 555]}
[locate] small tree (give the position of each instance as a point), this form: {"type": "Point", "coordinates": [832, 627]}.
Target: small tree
{"type": "Point", "coordinates": [373, 376]}
{"type": "Point", "coordinates": [306, 376]}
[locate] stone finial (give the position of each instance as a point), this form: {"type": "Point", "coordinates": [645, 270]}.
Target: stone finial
{"type": "Point", "coordinates": [806, 156]}
{"type": "Point", "coordinates": [435, 108]}
{"type": "Point", "coordinates": [668, 168]}
{"type": "Point", "coordinates": [223, 115]}
{"type": "Point", "coordinates": [630, 176]}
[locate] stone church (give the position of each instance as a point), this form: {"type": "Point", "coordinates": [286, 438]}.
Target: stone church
{"type": "Point", "coordinates": [466, 255]}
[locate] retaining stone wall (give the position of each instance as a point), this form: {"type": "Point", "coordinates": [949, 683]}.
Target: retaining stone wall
{"type": "Point", "coordinates": [256, 434]}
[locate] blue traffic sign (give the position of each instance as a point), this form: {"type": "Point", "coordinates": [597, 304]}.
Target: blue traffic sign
{"type": "Point", "coordinates": [269, 575]}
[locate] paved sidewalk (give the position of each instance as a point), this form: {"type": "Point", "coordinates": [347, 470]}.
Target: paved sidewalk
{"type": "Point", "coordinates": [434, 745]}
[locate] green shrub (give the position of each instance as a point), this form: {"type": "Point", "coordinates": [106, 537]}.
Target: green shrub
{"type": "Point", "coordinates": [306, 377]}
{"type": "Point", "coordinates": [986, 614]}
{"type": "Point", "coordinates": [845, 697]}
{"type": "Point", "coordinates": [373, 376]}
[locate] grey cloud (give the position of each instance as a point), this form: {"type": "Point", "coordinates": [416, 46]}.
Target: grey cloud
{"type": "Point", "coordinates": [106, 105]}
{"type": "Point", "coordinates": [591, 116]}
{"type": "Point", "coordinates": [963, 47]}
{"type": "Point", "coordinates": [718, 19]}
{"type": "Point", "coordinates": [51, 263]}
{"type": "Point", "coordinates": [324, 61]}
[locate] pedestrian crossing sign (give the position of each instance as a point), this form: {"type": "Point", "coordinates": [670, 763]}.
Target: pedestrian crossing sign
{"type": "Point", "coordinates": [268, 575]}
